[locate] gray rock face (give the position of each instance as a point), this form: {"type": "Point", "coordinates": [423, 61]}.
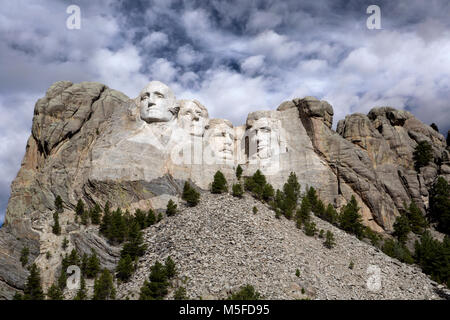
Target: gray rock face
{"type": "Point", "coordinates": [93, 143]}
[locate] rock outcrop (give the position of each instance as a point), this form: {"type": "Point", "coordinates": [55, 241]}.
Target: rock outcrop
{"type": "Point", "coordinates": [94, 143]}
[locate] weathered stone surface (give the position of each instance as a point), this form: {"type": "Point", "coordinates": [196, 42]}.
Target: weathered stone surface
{"type": "Point", "coordinates": [93, 143]}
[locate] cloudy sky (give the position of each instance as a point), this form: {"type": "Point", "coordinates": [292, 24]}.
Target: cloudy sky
{"type": "Point", "coordinates": [233, 56]}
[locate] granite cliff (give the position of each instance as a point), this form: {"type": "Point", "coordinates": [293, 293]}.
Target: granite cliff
{"type": "Point", "coordinates": [94, 143]}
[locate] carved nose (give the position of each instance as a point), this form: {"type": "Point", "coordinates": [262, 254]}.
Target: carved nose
{"type": "Point", "coordinates": [150, 104]}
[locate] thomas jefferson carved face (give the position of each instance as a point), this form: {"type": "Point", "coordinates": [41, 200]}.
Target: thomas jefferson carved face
{"type": "Point", "coordinates": [221, 139]}
{"type": "Point", "coordinates": [193, 117]}
{"type": "Point", "coordinates": [157, 103]}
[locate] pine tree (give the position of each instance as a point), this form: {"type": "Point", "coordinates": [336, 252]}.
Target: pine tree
{"type": "Point", "coordinates": [434, 126]}
{"type": "Point", "coordinates": [247, 292]}
{"type": "Point", "coordinates": [92, 265]}
{"type": "Point", "coordinates": [124, 268]}
{"type": "Point", "coordinates": [24, 256]}
{"type": "Point", "coordinates": [104, 287]}
{"type": "Point", "coordinates": [303, 214]}
{"type": "Point", "coordinates": [291, 192]}
{"type": "Point", "coordinates": [56, 229]}
{"type": "Point", "coordinates": [55, 293]}
{"type": "Point", "coordinates": [81, 294]}
{"type": "Point", "coordinates": [268, 192]}
{"type": "Point", "coordinates": [401, 228]}
{"type": "Point", "coordinates": [171, 208]}
{"type": "Point", "coordinates": [329, 240]}
{"type": "Point", "coordinates": [440, 205]}
{"type": "Point", "coordinates": [237, 190]}
{"type": "Point", "coordinates": [239, 172]}
{"type": "Point", "coordinates": [310, 228]}
{"type": "Point", "coordinates": [350, 219]}
{"type": "Point", "coordinates": [422, 155]}
{"type": "Point", "coordinates": [151, 218]}
{"type": "Point", "coordinates": [85, 218]}
{"type": "Point", "coordinates": [156, 287]}
{"type": "Point", "coordinates": [79, 209]}
{"type": "Point", "coordinates": [330, 214]}
{"type": "Point", "coordinates": [170, 268]}
{"type": "Point", "coordinates": [140, 218]}
{"type": "Point", "coordinates": [180, 294]}
{"type": "Point", "coordinates": [219, 184]}
{"type": "Point", "coordinates": [65, 243]}
{"type": "Point", "coordinates": [58, 204]}
{"type": "Point", "coordinates": [417, 221]}
{"type": "Point", "coordinates": [95, 214]}
{"type": "Point", "coordinates": [33, 288]}
{"type": "Point", "coordinates": [190, 195]}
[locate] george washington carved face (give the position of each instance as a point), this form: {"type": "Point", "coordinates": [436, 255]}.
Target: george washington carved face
{"type": "Point", "coordinates": [157, 103]}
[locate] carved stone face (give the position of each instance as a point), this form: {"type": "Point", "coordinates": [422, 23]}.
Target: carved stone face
{"type": "Point", "coordinates": [157, 103]}
{"type": "Point", "coordinates": [264, 138]}
{"type": "Point", "coordinates": [221, 140]}
{"type": "Point", "coordinates": [193, 117]}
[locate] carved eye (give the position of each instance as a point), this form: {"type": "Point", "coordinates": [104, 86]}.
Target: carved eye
{"type": "Point", "coordinates": [159, 94]}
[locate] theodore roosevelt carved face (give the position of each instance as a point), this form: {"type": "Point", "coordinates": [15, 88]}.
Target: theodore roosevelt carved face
{"type": "Point", "coordinates": [157, 103]}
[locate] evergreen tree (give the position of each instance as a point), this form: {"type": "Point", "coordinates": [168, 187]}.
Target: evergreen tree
{"type": "Point", "coordinates": [104, 287]}
{"type": "Point", "coordinates": [140, 218]}
{"type": "Point", "coordinates": [239, 172]}
{"type": "Point", "coordinates": [434, 126]}
{"type": "Point", "coordinates": [268, 192]}
{"type": "Point", "coordinates": [237, 190]}
{"type": "Point", "coordinates": [247, 292]}
{"type": "Point", "coordinates": [55, 293]}
{"type": "Point", "coordinates": [124, 268]}
{"type": "Point", "coordinates": [303, 214]}
{"type": "Point", "coordinates": [118, 227]}
{"type": "Point", "coordinates": [159, 218]}
{"type": "Point", "coordinates": [33, 288]}
{"type": "Point", "coordinates": [329, 240]}
{"type": "Point", "coordinates": [151, 218]}
{"type": "Point", "coordinates": [350, 219]}
{"type": "Point", "coordinates": [423, 154]}
{"type": "Point", "coordinates": [65, 243]}
{"type": "Point", "coordinates": [170, 268]}
{"type": "Point", "coordinates": [85, 218]}
{"type": "Point", "coordinates": [24, 256]}
{"type": "Point", "coordinates": [310, 228]}
{"type": "Point", "coordinates": [190, 195]}
{"type": "Point", "coordinates": [311, 194]}
{"type": "Point", "coordinates": [171, 208]}
{"type": "Point", "coordinates": [417, 221]}
{"type": "Point", "coordinates": [401, 228]}
{"type": "Point", "coordinates": [219, 184]}
{"type": "Point", "coordinates": [92, 266]}
{"type": "Point", "coordinates": [58, 204]}
{"type": "Point", "coordinates": [156, 287]}
{"type": "Point", "coordinates": [330, 214]}
{"type": "Point", "coordinates": [81, 293]}
{"type": "Point", "coordinates": [440, 205]}
{"type": "Point", "coordinates": [397, 250]}
{"type": "Point", "coordinates": [95, 214]}
{"type": "Point", "coordinates": [291, 192]}
{"type": "Point", "coordinates": [79, 209]}
{"type": "Point", "coordinates": [56, 229]}
{"type": "Point", "coordinates": [180, 294]}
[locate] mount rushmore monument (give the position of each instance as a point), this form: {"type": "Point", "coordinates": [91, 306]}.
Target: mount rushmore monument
{"type": "Point", "coordinates": [94, 143]}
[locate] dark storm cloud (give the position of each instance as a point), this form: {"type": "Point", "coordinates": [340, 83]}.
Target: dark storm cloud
{"type": "Point", "coordinates": [233, 56]}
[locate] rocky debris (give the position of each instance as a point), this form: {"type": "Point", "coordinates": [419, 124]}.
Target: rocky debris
{"type": "Point", "coordinates": [221, 245]}
{"type": "Point", "coordinates": [90, 142]}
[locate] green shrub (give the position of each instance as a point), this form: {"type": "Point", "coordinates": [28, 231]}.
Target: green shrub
{"type": "Point", "coordinates": [237, 190]}
{"type": "Point", "coordinates": [309, 228]}
{"type": "Point", "coordinates": [350, 219]}
{"type": "Point", "coordinates": [440, 205]}
{"type": "Point", "coordinates": [397, 250]}
{"type": "Point", "coordinates": [247, 292]}
{"type": "Point", "coordinates": [329, 240]}
{"type": "Point", "coordinates": [104, 287]}
{"type": "Point", "coordinates": [219, 184]}
{"type": "Point", "coordinates": [190, 195]}
{"type": "Point", "coordinates": [422, 155]}
{"type": "Point", "coordinates": [171, 208]}
{"type": "Point", "coordinates": [239, 172]}
{"type": "Point", "coordinates": [401, 228]}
